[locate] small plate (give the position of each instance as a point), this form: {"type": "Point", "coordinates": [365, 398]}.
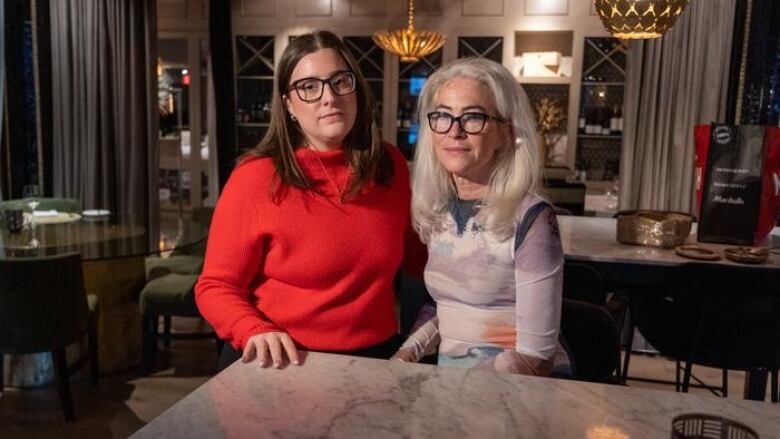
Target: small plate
{"type": "Point", "coordinates": [693, 251]}
{"type": "Point", "coordinates": [747, 255]}
{"type": "Point", "coordinates": [96, 212]}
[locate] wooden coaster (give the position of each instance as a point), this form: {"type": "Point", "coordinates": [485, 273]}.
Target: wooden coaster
{"type": "Point", "coordinates": [693, 251]}
{"type": "Point", "coordinates": [747, 255]}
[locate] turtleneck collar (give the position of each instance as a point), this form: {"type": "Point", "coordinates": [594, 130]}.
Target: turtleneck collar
{"type": "Point", "coordinates": [309, 157]}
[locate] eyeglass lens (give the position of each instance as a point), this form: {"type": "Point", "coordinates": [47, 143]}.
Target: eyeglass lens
{"type": "Point", "coordinates": [311, 89]}
{"type": "Point", "coordinates": [471, 123]}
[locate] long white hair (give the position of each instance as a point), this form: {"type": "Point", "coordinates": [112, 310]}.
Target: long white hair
{"type": "Point", "coordinates": [516, 170]}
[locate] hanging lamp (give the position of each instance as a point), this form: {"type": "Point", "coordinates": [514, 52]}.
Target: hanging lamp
{"type": "Point", "coordinates": [409, 44]}
{"type": "Point", "coordinates": [639, 19]}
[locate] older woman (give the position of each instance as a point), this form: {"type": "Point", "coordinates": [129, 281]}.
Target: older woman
{"type": "Point", "coordinates": [494, 254]}
{"type": "Point", "coordinates": [308, 233]}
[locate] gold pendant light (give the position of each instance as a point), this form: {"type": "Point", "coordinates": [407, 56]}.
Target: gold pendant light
{"type": "Point", "coordinates": [639, 19]}
{"type": "Point", "coordinates": [409, 44]}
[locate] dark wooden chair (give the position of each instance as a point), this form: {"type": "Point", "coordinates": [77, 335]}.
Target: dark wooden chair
{"type": "Point", "coordinates": [592, 341]}
{"type": "Point", "coordinates": [716, 316]}
{"type": "Point", "coordinates": [43, 308]}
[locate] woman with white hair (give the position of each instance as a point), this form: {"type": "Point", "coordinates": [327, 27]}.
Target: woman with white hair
{"type": "Point", "coordinates": [495, 263]}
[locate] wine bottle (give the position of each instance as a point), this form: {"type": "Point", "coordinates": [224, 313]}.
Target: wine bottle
{"type": "Point", "coordinates": [605, 128]}
{"type": "Point", "coordinates": [589, 125]}
{"type": "Point", "coordinates": [582, 123]}
{"type": "Point", "coordinates": [613, 121]}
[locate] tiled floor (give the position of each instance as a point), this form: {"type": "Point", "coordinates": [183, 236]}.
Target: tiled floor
{"type": "Point", "coordinates": [123, 402]}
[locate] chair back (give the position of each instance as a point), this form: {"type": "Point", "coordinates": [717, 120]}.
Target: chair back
{"type": "Point", "coordinates": [584, 283]}
{"type": "Point", "coordinates": [60, 204]}
{"type": "Point", "coordinates": [723, 317]}
{"type": "Point", "coordinates": [592, 340]}
{"type": "Point", "coordinates": [569, 196]}
{"type": "Point", "coordinates": [43, 305]}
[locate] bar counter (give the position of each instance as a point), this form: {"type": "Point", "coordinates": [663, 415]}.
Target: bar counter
{"type": "Point", "coordinates": [350, 397]}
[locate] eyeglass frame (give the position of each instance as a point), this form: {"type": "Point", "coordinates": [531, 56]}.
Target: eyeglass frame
{"type": "Point", "coordinates": [457, 119]}
{"type": "Point", "coordinates": [293, 86]}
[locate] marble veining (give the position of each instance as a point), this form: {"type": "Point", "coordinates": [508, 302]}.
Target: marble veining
{"type": "Point", "coordinates": [595, 239]}
{"type": "Point", "coordinates": [341, 396]}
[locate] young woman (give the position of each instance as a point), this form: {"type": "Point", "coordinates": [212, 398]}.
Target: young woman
{"type": "Point", "coordinates": [310, 229]}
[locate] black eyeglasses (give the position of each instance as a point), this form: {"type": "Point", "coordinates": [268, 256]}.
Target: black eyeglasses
{"type": "Point", "coordinates": [470, 123]}
{"type": "Point", "coordinates": [311, 89]}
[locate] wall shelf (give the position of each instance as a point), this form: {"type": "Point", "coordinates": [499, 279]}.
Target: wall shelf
{"type": "Point", "coordinates": [597, 136]}
{"type": "Point", "coordinates": [543, 79]}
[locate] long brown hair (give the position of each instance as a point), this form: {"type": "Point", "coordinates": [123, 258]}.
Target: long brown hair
{"type": "Point", "coordinates": [367, 156]}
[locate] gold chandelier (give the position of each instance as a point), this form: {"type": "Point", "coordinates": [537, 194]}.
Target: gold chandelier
{"type": "Point", "coordinates": [639, 19]}
{"type": "Point", "coordinates": [409, 44]}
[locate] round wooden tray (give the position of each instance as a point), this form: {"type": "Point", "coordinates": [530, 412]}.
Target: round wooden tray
{"type": "Point", "coordinates": [693, 251]}
{"type": "Point", "coordinates": [747, 255]}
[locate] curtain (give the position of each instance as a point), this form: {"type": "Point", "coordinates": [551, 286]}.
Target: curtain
{"type": "Point", "coordinates": [673, 84]}
{"type": "Point", "coordinates": [104, 105]}
{"type": "Point", "coordinates": [2, 89]}
{"type": "Point", "coordinates": [221, 49]}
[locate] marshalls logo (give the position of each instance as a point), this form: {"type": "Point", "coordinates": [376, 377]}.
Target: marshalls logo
{"type": "Point", "coordinates": [722, 135]}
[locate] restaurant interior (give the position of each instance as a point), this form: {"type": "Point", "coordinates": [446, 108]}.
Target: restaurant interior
{"type": "Point", "coordinates": [657, 125]}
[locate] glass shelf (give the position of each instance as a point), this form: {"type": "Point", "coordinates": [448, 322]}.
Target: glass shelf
{"type": "Point", "coordinates": [608, 84]}
{"type": "Point", "coordinates": [601, 104]}
{"type": "Point", "coordinates": [598, 136]}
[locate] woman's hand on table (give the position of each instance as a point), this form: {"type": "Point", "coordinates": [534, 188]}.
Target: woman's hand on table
{"type": "Point", "coordinates": [270, 348]}
{"type": "Point", "coordinates": [407, 355]}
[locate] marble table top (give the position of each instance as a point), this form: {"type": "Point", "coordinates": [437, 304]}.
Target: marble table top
{"type": "Point", "coordinates": [594, 239]}
{"type": "Point", "coordinates": [350, 397]}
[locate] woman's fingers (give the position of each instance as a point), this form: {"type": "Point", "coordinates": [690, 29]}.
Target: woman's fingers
{"type": "Point", "coordinates": [262, 351]}
{"type": "Point", "coordinates": [270, 348]}
{"type": "Point", "coordinates": [289, 347]}
{"type": "Point", "coordinates": [275, 346]}
{"type": "Point", "coordinates": [249, 351]}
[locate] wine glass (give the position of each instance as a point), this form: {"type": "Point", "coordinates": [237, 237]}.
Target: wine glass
{"type": "Point", "coordinates": [30, 193]}
{"type": "Point", "coordinates": [613, 195]}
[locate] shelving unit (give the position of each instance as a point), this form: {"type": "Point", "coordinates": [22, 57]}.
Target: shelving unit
{"type": "Point", "coordinates": [491, 48]}
{"type": "Point", "coordinates": [601, 104]}
{"type": "Point", "coordinates": [555, 88]}
{"type": "Point", "coordinates": [411, 78]}
{"type": "Point", "coordinates": [254, 57]}
{"type": "Point", "coordinates": [563, 80]}
{"type": "Point", "coordinates": [371, 60]}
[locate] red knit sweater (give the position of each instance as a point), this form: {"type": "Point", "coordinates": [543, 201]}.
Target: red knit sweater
{"type": "Point", "coordinates": [310, 266]}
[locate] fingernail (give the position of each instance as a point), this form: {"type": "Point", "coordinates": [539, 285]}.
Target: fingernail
{"type": "Point", "coordinates": [296, 362]}
{"type": "Point", "coordinates": [276, 365]}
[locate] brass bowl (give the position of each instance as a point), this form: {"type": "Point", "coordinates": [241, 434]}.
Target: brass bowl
{"type": "Point", "coordinates": [747, 255]}
{"type": "Point", "coordinates": [653, 228]}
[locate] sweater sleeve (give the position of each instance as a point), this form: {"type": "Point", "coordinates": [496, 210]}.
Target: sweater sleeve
{"type": "Point", "coordinates": [539, 290]}
{"type": "Point", "coordinates": [234, 254]}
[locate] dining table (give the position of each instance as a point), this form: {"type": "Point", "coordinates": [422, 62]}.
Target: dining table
{"type": "Point", "coordinates": [340, 396]}
{"type": "Point", "coordinates": [113, 249]}
{"type": "Point", "coordinates": [593, 241]}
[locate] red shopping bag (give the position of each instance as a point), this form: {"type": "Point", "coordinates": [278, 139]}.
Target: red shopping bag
{"type": "Point", "coordinates": [737, 171]}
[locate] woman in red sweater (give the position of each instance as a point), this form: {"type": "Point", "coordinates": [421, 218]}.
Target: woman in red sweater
{"type": "Point", "coordinates": [311, 227]}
